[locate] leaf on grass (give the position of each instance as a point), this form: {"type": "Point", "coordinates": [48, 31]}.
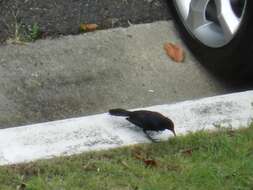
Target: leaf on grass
{"type": "Point", "coordinates": [88, 27]}
{"type": "Point", "coordinates": [124, 164]}
{"type": "Point", "coordinates": [137, 153]}
{"type": "Point", "coordinates": [138, 157]}
{"type": "Point", "coordinates": [137, 150]}
{"type": "Point", "coordinates": [174, 51]}
{"type": "Point", "coordinates": [150, 162]}
{"type": "Point", "coordinates": [90, 167]}
{"type": "Point", "coordinates": [187, 152]}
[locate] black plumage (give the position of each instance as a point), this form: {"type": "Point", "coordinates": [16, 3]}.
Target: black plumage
{"type": "Point", "coordinates": [147, 120]}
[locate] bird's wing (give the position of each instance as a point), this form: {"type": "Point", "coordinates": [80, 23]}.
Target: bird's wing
{"type": "Point", "coordinates": [136, 121]}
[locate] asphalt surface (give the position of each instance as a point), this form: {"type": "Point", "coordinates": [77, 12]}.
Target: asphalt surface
{"type": "Point", "coordinates": [86, 74]}
{"type": "Point", "coordinates": [63, 17]}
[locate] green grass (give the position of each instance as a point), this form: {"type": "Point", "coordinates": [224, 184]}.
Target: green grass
{"type": "Point", "coordinates": [25, 33]}
{"type": "Point", "coordinates": [34, 32]}
{"type": "Point", "coordinates": [222, 160]}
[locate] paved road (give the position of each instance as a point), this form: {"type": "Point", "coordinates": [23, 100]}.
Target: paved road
{"type": "Point", "coordinates": [86, 74]}
{"type": "Point", "coordinates": [63, 17]}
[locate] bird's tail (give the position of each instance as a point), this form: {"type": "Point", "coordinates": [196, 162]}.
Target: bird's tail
{"type": "Point", "coordinates": [119, 112]}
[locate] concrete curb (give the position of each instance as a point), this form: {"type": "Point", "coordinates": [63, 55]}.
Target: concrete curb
{"type": "Point", "coordinates": [102, 131]}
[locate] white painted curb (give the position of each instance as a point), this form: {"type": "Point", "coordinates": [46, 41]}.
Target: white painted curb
{"type": "Point", "coordinates": [72, 136]}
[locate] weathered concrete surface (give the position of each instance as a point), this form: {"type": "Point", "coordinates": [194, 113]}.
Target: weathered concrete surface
{"type": "Point", "coordinates": [86, 74]}
{"type": "Point", "coordinates": [72, 136]}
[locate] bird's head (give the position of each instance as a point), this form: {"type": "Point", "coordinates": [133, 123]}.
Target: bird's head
{"type": "Point", "coordinates": [170, 126]}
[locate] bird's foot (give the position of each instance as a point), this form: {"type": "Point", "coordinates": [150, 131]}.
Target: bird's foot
{"type": "Point", "coordinates": [150, 138]}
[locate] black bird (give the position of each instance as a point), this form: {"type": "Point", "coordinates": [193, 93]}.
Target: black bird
{"type": "Point", "coordinates": [147, 120]}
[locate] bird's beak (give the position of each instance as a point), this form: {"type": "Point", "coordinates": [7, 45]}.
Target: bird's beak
{"type": "Point", "coordinates": [173, 131]}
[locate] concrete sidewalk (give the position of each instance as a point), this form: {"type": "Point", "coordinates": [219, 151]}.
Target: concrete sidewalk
{"type": "Point", "coordinates": [77, 135]}
{"type": "Point", "coordinates": [81, 75]}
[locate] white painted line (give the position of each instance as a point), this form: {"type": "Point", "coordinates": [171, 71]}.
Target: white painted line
{"type": "Point", "coordinates": [72, 136]}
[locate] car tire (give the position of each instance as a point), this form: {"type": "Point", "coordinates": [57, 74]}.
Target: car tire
{"type": "Point", "coordinates": [231, 60]}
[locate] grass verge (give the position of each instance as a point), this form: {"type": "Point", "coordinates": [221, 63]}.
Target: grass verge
{"type": "Point", "coordinates": [220, 160]}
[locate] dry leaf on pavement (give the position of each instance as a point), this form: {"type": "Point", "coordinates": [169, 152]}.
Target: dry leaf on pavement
{"type": "Point", "coordinates": [88, 27]}
{"type": "Point", "coordinates": [174, 51]}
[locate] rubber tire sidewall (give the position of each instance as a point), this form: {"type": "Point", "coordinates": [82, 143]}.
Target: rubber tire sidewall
{"type": "Point", "coordinates": [234, 60]}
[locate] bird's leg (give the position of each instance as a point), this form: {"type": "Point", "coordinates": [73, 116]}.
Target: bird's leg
{"type": "Point", "coordinates": [149, 137]}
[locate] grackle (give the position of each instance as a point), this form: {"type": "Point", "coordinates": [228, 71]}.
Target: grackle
{"type": "Point", "coordinates": [147, 120]}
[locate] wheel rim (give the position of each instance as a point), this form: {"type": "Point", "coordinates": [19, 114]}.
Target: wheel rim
{"type": "Point", "coordinates": [212, 22]}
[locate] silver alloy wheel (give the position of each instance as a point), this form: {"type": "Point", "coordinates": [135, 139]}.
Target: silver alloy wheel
{"type": "Point", "coordinates": [210, 32]}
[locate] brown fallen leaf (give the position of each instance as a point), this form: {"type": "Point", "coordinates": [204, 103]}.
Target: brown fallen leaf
{"type": "Point", "coordinates": [150, 162]}
{"type": "Point", "coordinates": [137, 153]}
{"type": "Point", "coordinates": [137, 150]}
{"type": "Point", "coordinates": [187, 152]}
{"type": "Point", "coordinates": [138, 157]}
{"type": "Point", "coordinates": [174, 51]}
{"type": "Point", "coordinates": [88, 27]}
